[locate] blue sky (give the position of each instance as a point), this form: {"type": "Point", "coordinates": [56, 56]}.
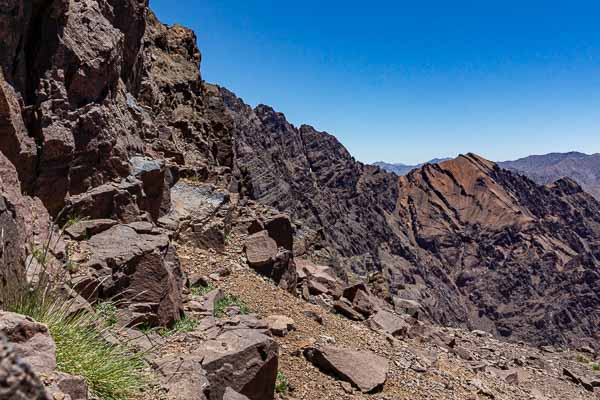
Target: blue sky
{"type": "Point", "coordinates": [407, 81]}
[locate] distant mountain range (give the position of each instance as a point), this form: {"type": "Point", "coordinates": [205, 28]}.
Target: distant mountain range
{"type": "Point", "coordinates": [543, 169]}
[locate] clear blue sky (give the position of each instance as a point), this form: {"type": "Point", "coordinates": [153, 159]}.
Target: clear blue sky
{"type": "Point", "coordinates": [406, 81]}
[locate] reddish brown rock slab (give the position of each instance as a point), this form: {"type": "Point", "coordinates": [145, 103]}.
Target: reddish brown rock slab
{"type": "Point", "coordinates": [145, 270]}
{"type": "Point", "coordinates": [261, 249]}
{"type": "Point", "coordinates": [389, 323]}
{"type": "Point", "coordinates": [31, 340]}
{"type": "Point", "coordinates": [347, 311]}
{"type": "Point", "coordinates": [84, 229]}
{"type": "Point", "coordinates": [280, 229]}
{"type": "Point", "coordinates": [244, 360]}
{"type": "Point", "coordinates": [364, 303]}
{"type": "Point", "coordinates": [280, 325]}
{"type": "Point", "coordinates": [363, 369]}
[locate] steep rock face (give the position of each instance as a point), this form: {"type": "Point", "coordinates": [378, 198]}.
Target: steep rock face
{"type": "Point", "coordinates": [500, 252]}
{"type": "Point", "coordinates": [545, 169]}
{"type": "Point", "coordinates": [311, 176]}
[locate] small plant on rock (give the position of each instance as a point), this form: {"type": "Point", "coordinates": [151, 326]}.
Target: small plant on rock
{"type": "Point", "coordinates": [73, 220]}
{"type": "Point", "coordinates": [282, 385]}
{"type": "Point", "coordinates": [228, 301]}
{"type": "Point", "coordinates": [107, 311]}
{"type": "Point", "coordinates": [200, 291]}
{"type": "Point", "coordinates": [39, 254]}
{"type": "Point", "coordinates": [185, 325]}
{"type": "Point", "coordinates": [596, 367]}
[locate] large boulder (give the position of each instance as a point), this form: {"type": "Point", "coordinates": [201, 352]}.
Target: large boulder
{"type": "Point", "coordinates": [281, 230]}
{"type": "Point", "coordinates": [243, 360]}
{"type": "Point", "coordinates": [363, 369]}
{"type": "Point", "coordinates": [317, 277]}
{"type": "Point", "coordinates": [141, 268]}
{"type": "Point", "coordinates": [261, 249]}
{"type": "Point", "coordinates": [203, 212]}
{"type": "Point", "coordinates": [267, 259]}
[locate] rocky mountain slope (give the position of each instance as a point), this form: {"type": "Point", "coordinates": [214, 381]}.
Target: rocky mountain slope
{"type": "Point", "coordinates": [404, 169]}
{"type": "Point", "coordinates": [123, 175]}
{"type": "Point", "coordinates": [544, 169]}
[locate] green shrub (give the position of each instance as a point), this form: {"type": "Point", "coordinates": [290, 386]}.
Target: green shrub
{"type": "Point", "coordinates": [596, 367]}
{"type": "Point", "coordinates": [282, 385]}
{"type": "Point", "coordinates": [227, 301]}
{"type": "Point", "coordinates": [201, 290]}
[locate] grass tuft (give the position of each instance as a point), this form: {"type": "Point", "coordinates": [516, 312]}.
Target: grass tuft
{"type": "Point", "coordinates": [596, 367]}
{"type": "Point", "coordinates": [228, 301]}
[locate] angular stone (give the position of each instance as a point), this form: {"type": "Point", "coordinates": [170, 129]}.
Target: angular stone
{"type": "Point", "coordinates": [183, 376]}
{"type": "Point", "coordinates": [347, 311]}
{"type": "Point", "coordinates": [243, 360]}
{"type": "Point", "coordinates": [364, 303]}
{"type": "Point", "coordinates": [260, 249]}
{"type": "Point", "coordinates": [389, 323]}
{"type": "Point", "coordinates": [365, 370]}
{"type": "Point", "coordinates": [280, 229]}
{"type": "Point", "coordinates": [144, 269]}
{"type": "Point", "coordinates": [280, 325]}
{"type": "Point", "coordinates": [409, 307]}
{"type": "Point", "coordinates": [31, 341]}
{"type": "Point", "coordinates": [351, 291]}
{"type": "Point", "coordinates": [88, 228]}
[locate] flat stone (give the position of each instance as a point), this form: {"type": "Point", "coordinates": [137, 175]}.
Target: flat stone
{"type": "Point", "coordinates": [389, 323]}
{"type": "Point", "coordinates": [85, 229]}
{"type": "Point", "coordinates": [260, 249]}
{"type": "Point", "coordinates": [280, 325]}
{"type": "Point", "coordinates": [363, 369]}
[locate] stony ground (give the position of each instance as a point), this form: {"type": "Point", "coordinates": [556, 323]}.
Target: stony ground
{"type": "Point", "coordinates": [480, 368]}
